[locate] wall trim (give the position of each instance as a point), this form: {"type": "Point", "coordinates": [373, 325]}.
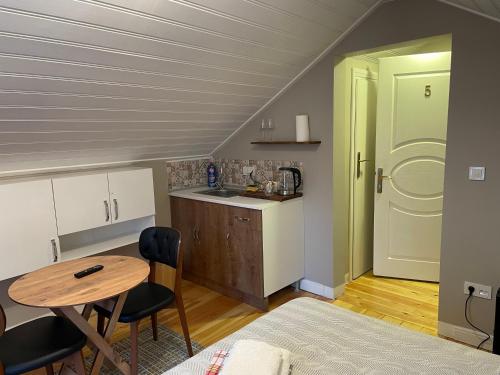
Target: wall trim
{"type": "Point", "coordinates": [303, 71]}
{"type": "Point", "coordinates": [35, 171]}
{"type": "Point", "coordinates": [464, 335]}
{"type": "Point", "coordinates": [316, 288]}
{"type": "Point", "coordinates": [466, 9]}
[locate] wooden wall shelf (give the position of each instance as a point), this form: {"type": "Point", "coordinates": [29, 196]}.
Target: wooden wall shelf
{"type": "Point", "coordinates": [285, 143]}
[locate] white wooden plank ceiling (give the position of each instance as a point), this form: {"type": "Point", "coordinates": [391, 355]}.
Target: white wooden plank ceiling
{"type": "Point", "coordinates": [488, 8]}
{"type": "Point", "coordinates": [96, 81]}
{"type": "Point", "coordinates": [90, 81]}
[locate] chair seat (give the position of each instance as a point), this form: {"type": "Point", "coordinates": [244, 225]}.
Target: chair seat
{"type": "Point", "coordinates": [38, 343]}
{"type": "Point", "coordinates": [142, 301]}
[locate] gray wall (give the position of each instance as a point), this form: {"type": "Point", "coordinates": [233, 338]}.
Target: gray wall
{"type": "Point", "coordinates": [471, 238]}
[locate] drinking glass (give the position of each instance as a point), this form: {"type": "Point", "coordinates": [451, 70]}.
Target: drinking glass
{"type": "Point", "coordinates": [270, 128]}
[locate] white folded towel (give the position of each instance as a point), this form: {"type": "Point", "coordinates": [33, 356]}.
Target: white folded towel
{"type": "Point", "coordinates": [250, 357]}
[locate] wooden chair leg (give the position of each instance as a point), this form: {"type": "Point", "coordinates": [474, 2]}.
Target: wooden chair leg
{"type": "Point", "coordinates": [182, 317]}
{"type": "Point", "coordinates": [49, 369]}
{"type": "Point", "coordinates": [101, 320]}
{"type": "Point", "coordinates": [77, 362]}
{"type": "Point", "coordinates": [134, 348]}
{"type": "Point", "coordinates": [154, 325]}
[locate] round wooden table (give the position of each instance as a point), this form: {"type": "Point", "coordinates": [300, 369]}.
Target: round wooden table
{"type": "Point", "coordinates": [56, 288]}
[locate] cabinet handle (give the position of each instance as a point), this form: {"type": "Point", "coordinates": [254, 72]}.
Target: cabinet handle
{"type": "Point", "coordinates": [54, 251]}
{"type": "Point", "coordinates": [243, 219]}
{"type": "Point", "coordinates": [198, 234]}
{"type": "Point", "coordinates": [228, 235]}
{"type": "Point", "coordinates": [106, 210]}
{"type": "Point", "coordinates": [115, 202]}
{"type": "Point", "coordinates": [194, 233]}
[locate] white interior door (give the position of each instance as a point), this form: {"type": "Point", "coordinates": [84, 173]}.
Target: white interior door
{"type": "Point", "coordinates": [363, 117]}
{"type": "Point", "coordinates": [132, 194]}
{"type": "Point", "coordinates": [412, 117]}
{"type": "Point", "coordinates": [82, 202]}
{"type": "Point", "coordinates": [27, 227]}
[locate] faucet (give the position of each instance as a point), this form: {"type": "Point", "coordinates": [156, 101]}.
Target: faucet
{"type": "Point", "coordinates": [220, 180]}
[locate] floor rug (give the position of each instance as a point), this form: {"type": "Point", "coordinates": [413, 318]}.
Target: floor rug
{"type": "Point", "coordinates": [155, 357]}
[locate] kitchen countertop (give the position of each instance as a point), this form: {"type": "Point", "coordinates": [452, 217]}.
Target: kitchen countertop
{"type": "Point", "coordinates": [252, 203]}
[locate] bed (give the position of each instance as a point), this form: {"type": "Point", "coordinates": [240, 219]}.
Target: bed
{"type": "Point", "coordinates": [325, 339]}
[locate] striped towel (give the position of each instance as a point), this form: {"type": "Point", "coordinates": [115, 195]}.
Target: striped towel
{"type": "Point", "coordinates": [216, 362]}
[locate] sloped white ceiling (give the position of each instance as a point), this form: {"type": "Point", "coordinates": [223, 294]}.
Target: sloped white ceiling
{"type": "Point", "coordinates": [89, 81]}
{"type": "Point", "coordinates": [488, 8]}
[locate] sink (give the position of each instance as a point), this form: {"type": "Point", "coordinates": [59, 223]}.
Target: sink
{"type": "Point", "coordinates": [224, 193]}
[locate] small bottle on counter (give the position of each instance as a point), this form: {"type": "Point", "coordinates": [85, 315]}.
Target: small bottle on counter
{"type": "Point", "coordinates": [212, 175]}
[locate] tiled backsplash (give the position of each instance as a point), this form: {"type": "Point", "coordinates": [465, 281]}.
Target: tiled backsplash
{"type": "Point", "coordinates": [192, 173]}
{"type": "Point", "coordinates": [186, 174]}
{"type": "Point", "coordinates": [264, 170]}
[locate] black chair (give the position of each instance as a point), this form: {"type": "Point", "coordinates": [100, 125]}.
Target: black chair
{"type": "Point", "coordinates": [39, 343]}
{"type": "Point", "coordinates": [156, 244]}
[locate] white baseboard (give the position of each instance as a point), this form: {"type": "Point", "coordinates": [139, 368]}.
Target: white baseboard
{"type": "Point", "coordinates": [316, 288]}
{"type": "Point", "coordinates": [465, 335]}
{"type": "Point", "coordinates": [339, 290]}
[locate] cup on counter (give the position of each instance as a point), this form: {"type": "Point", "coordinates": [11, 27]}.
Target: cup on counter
{"type": "Point", "coordinates": [269, 187]}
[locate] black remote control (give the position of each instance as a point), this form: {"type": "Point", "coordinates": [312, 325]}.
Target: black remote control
{"type": "Point", "coordinates": [89, 271]}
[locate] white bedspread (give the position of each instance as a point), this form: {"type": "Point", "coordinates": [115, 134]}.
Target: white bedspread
{"type": "Point", "coordinates": [325, 339]}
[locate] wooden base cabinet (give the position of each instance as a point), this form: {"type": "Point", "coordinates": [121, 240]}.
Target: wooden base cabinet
{"type": "Point", "coordinates": [244, 253]}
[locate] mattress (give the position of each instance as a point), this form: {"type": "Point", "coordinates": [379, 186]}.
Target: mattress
{"type": "Point", "coordinates": [325, 339]}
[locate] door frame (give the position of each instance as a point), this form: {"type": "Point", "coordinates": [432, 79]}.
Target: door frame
{"type": "Point", "coordinates": [356, 73]}
{"type": "Point", "coordinates": [342, 266]}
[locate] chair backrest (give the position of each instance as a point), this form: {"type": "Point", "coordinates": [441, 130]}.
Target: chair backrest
{"type": "Point", "coordinates": [3, 321]}
{"type": "Point", "coordinates": [160, 244]}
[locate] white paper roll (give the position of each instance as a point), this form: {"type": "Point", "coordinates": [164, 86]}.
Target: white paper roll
{"type": "Point", "coordinates": [302, 128]}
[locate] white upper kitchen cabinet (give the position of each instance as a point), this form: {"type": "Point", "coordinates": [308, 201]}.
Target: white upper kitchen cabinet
{"type": "Point", "coordinates": [131, 194]}
{"type": "Point", "coordinates": [81, 202]}
{"type": "Point", "coordinates": [28, 229]}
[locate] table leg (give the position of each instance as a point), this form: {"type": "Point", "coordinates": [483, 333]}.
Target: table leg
{"type": "Point", "coordinates": [117, 310]}
{"type": "Point", "coordinates": [102, 343]}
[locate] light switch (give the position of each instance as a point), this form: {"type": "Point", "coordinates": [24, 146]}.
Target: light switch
{"type": "Point", "coordinates": [477, 173]}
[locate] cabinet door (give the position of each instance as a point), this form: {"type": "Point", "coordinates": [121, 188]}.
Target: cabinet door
{"type": "Point", "coordinates": [213, 241]}
{"type": "Point", "coordinates": [243, 268]}
{"type": "Point", "coordinates": [27, 227]}
{"type": "Point", "coordinates": [82, 202]}
{"type": "Point", "coordinates": [132, 194]}
{"type": "Point", "coordinates": [185, 218]}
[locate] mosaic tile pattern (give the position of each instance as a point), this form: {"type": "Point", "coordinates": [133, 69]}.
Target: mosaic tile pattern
{"type": "Point", "coordinates": [186, 174]}
{"type": "Point", "coordinates": [193, 173]}
{"type": "Point", "coordinates": [264, 170]}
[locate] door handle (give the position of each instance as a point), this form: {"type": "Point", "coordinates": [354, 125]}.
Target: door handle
{"type": "Point", "coordinates": [380, 179]}
{"type": "Point", "coordinates": [115, 202]}
{"type": "Point", "coordinates": [242, 219]}
{"type": "Point", "coordinates": [55, 257]}
{"type": "Point", "coordinates": [106, 210]}
{"type": "Point", "coordinates": [358, 164]}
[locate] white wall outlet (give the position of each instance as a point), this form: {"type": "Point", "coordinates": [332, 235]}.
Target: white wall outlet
{"type": "Point", "coordinates": [477, 173]}
{"type": "Point", "coordinates": [481, 291]}
{"type": "Point", "coordinates": [248, 169]}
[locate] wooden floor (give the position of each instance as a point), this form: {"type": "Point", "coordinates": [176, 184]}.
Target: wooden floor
{"type": "Point", "coordinates": [411, 304]}
{"type": "Point", "coordinates": [211, 316]}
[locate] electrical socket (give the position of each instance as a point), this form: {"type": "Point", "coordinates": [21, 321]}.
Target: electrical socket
{"type": "Point", "coordinates": [481, 291]}
{"type": "Point", "coordinates": [248, 169]}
